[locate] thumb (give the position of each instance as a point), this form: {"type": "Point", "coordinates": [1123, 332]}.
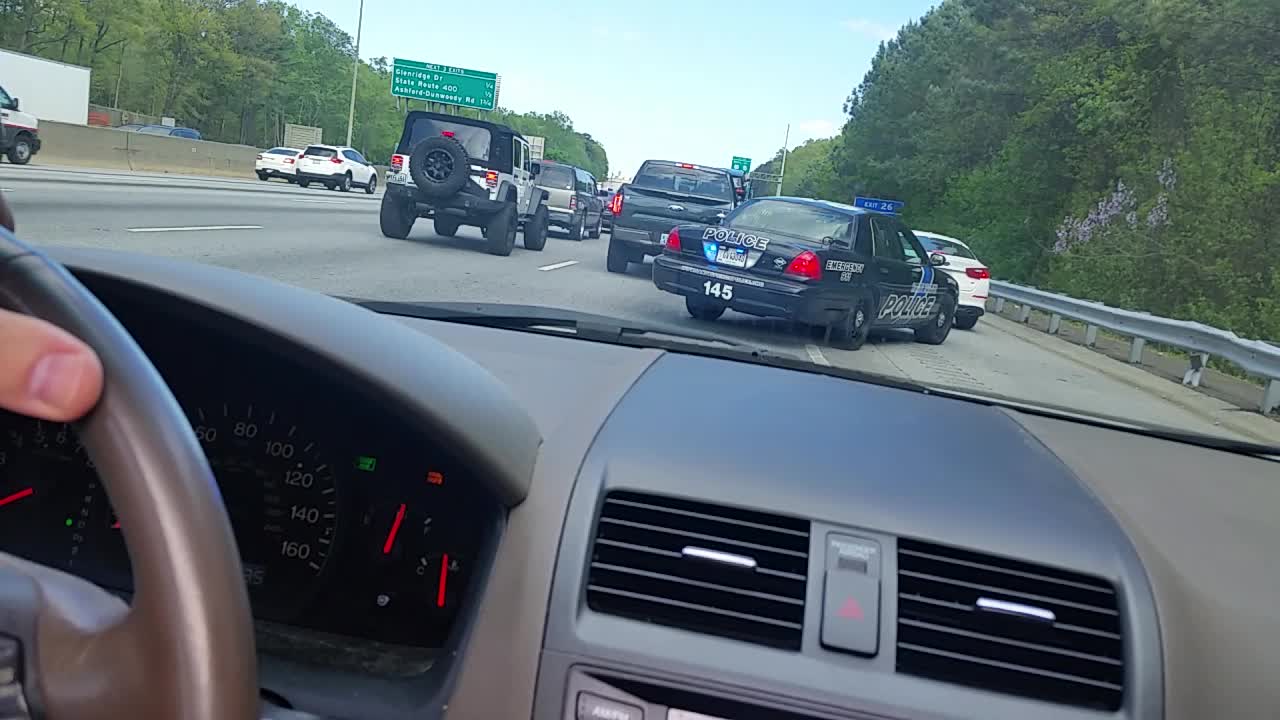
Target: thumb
{"type": "Point", "coordinates": [45, 372]}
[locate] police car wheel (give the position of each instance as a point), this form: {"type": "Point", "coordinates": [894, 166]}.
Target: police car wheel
{"type": "Point", "coordinates": [703, 310]}
{"type": "Point", "coordinates": [939, 327]}
{"type": "Point", "coordinates": [966, 322]}
{"type": "Point", "coordinates": [852, 331]}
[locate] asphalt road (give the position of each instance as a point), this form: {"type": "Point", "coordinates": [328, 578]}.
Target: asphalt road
{"type": "Point", "coordinates": [329, 242]}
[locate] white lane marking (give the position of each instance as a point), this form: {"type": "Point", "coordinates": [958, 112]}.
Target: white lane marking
{"type": "Point", "coordinates": [815, 354]}
{"type": "Point", "coordinates": [195, 227]}
{"type": "Point", "coordinates": [6, 189]}
{"type": "Point", "coordinates": [557, 266]}
{"type": "Point", "coordinates": [322, 202]}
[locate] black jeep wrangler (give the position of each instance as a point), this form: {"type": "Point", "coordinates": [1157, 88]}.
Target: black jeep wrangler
{"type": "Point", "coordinates": [460, 171]}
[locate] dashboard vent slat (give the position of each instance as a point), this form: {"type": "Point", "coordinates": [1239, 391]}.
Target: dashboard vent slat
{"type": "Point", "coordinates": [707, 568]}
{"type": "Point", "coordinates": [1008, 626]}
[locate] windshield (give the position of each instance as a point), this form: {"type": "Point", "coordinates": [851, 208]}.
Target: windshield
{"type": "Point", "coordinates": [1096, 183]}
{"type": "Point", "coordinates": [935, 244]}
{"type": "Point", "coordinates": [558, 177]}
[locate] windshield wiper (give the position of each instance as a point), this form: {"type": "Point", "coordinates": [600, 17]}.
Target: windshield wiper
{"type": "Point", "coordinates": [535, 318]}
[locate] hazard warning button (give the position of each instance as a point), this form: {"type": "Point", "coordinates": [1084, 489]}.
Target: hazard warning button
{"type": "Point", "coordinates": [851, 608]}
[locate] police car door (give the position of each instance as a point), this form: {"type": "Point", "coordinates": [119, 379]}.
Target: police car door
{"type": "Point", "coordinates": [895, 274]}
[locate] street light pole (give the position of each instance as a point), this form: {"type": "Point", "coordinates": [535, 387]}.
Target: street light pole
{"type": "Point", "coordinates": [355, 72]}
{"type": "Point", "coordinates": [786, 139]}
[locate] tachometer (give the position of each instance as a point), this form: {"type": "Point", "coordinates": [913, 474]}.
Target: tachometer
{"type": "Point", "coordinates": [280, 494]}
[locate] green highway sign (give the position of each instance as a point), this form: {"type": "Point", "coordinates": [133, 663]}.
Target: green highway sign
{"type": "Point", "coordinates": [444, 84]}
{"type": "Point", "coordinates": [741, 163]}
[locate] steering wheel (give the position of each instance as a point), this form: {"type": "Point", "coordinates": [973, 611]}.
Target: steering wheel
{"type": "Point", "coordinates": [184, 648]}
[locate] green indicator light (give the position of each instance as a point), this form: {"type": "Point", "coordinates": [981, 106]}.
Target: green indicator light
{"type": "Point", "coordinates": [68, 522]}
{"type": "Point", "coordinates": [366, 462]}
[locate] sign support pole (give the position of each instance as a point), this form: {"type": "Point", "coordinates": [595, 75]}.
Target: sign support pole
{"type": "Point", "coordinates": [785, 139]}
{"type": "Point", "coordinates": [355, 72]}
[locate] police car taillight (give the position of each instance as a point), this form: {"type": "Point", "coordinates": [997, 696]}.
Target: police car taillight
{"type": "Point", "coordinates": [805, 265]}
{"type": "Point", "coordinates": [397, 163]}
{"type": "Point", "coordinates": [978, 273]}
{"type": "Point", "coordinates": [672, 242]}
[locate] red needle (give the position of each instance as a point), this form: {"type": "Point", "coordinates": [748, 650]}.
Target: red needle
{"type": "Point", "coordinates": [25, 492]}
{"type": "Point", "coordinates": [395, 528]}
{"type": "Point", "coordinates": [444, 577]}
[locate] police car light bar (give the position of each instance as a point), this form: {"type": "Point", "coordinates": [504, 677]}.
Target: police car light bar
{"type": "Point", "coordinates": [892, 207]}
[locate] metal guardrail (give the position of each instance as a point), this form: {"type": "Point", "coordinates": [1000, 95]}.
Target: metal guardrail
{"type": "Point", "coordinates": [1256, 357]}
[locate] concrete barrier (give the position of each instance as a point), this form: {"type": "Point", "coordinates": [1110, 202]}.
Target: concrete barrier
{"type": "Point", "coordinates": [107, 148]}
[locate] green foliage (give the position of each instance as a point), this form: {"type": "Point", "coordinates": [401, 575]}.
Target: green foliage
{"type": "Point", "coordinates": [237, 70]}
{"type": "Point", "coordinates": [1004, 122]}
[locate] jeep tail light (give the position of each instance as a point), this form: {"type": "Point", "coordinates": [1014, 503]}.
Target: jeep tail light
{"type": "Point", "coordinates": [978, 273]}
{"type": "Point", "coordinates": [397, 163]}
{"type": "Point", "coordinates": [573, 202]}
{"type": "Point", "coordinates": [805, 265]}
{"type": "Point", "coordinates": [673, 240]}
{"type": "Point", "coordinates": [615, 205]}
{"type": "Point", "coordinates": [491, 179]}
{"type": "Point", "coordinates": [335, 160]}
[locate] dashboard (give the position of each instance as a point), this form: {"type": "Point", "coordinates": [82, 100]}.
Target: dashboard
{"type": "Point", "coordinates": [350, 522]}
{"type": "Point", "coordinates": [627, 550]}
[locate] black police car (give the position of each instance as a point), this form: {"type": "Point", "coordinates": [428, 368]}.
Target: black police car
{"type": "Point", "coordinates": [814, 262]}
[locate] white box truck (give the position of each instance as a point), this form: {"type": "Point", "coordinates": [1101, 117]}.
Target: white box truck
{"type": "Point", "coordinates": [34, 89]}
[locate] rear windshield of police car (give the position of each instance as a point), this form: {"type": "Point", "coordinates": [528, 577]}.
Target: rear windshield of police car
{"type": "Point", "coordinates": [671, 177]}
{"type": "Point", "coordinates": [938, 245]}
{"type": "Point", "coordinates": [558, 177]}
{"type": "Point", "coordinates": [475, 139]}
{"type": "Point", "coordinates": [795, 219]}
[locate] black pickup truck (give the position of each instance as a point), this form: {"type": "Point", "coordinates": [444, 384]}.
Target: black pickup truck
{"type": "Point", "coordinates": [664, 194]}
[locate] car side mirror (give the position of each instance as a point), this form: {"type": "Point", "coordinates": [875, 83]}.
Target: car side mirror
{"type": "Point", "coordinates": [938, 259]}
{"type": "Point", "coordinates": [535, 170]}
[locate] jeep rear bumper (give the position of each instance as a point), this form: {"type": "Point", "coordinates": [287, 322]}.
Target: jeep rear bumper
{"type": "Point", "coordinates": [462, 204]}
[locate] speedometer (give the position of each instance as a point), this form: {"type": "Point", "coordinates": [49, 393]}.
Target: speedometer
{"type": "Point", "coordinates": [280, 494]}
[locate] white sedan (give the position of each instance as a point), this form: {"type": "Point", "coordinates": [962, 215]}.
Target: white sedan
{"type": "Point", "coordinates": [277, 162]}
{"type": "Point", "coordinates": [970, 274]}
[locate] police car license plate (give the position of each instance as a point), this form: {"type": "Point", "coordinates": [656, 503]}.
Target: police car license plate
{"type": "Point", "coordinates": [732, 256]}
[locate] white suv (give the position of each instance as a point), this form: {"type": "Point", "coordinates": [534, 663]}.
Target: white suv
{"type": "Point", "coordinates": [970, 274]}
{"type": "Point", "coordinates": [336, 166]}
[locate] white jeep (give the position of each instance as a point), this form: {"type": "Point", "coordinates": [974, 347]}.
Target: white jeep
{"type": "Point", "coordinates": [460, 171]}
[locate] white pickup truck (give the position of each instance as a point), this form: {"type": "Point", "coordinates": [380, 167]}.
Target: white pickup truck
{"type": "Point", "coordinates": [19, 131]}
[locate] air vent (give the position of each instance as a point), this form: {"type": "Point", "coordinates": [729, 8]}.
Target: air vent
{"type": "Point", "coordinates": [1008, 626]}
{"type": "Point", "coordinates": [706, 568]}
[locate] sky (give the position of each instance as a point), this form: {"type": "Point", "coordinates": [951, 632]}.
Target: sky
{"type": "Point", "coordinates": [688, 80]}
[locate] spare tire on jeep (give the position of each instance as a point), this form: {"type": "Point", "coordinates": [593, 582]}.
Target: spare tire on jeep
{"type": "Point", "coordinates": [439, 166]}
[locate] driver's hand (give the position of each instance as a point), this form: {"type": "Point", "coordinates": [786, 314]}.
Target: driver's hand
{"type": "Point", "coordinates": [45, 372]}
